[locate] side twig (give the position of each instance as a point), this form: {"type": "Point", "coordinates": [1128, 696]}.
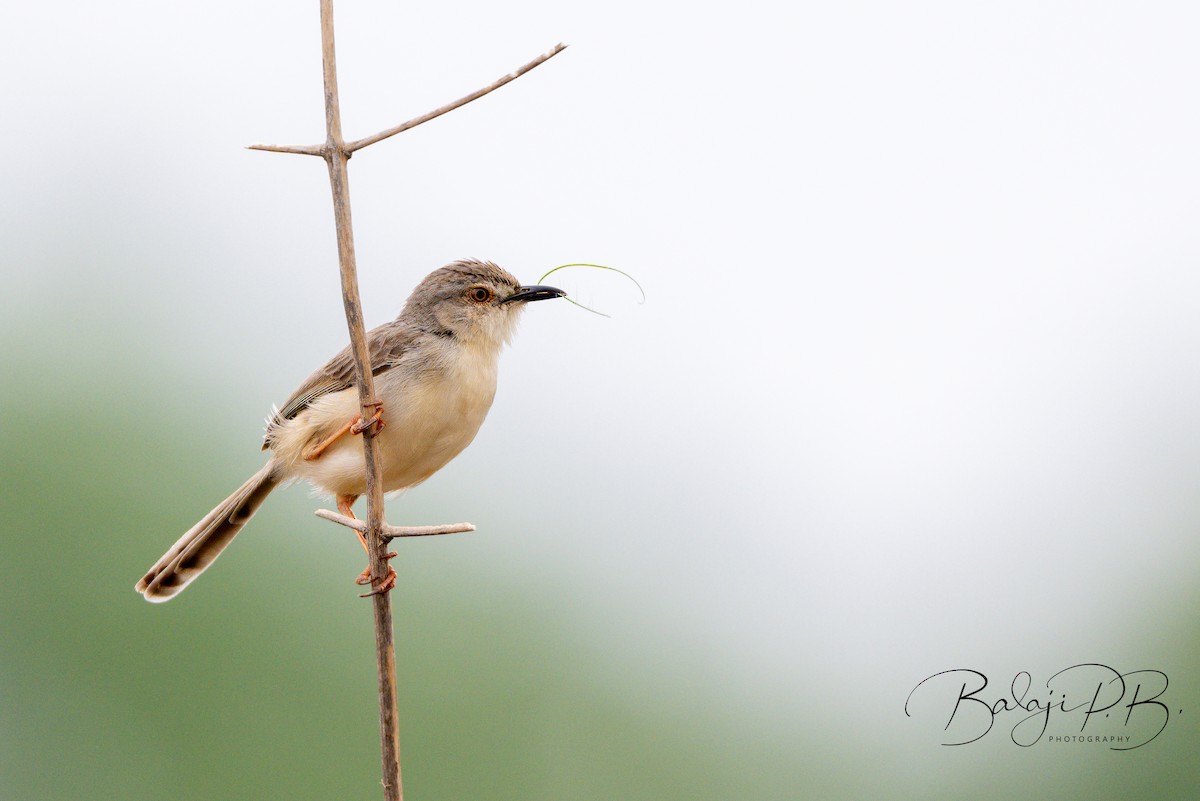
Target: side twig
{"type": "Point", "coordinates": [391, 532]}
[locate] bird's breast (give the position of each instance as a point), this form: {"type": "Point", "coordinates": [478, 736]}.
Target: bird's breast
{"type": "Point", "coordinates": [431, 420]}
{"type": "Point", "coordinates": [432, 409]}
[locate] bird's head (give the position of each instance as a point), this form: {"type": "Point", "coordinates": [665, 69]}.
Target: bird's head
{"type": "Point", "coordinates": [474, 301]}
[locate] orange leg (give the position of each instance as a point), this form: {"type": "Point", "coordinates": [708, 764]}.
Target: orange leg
{"type": "Point", "coordinates": [355, 426]}
{"type": "Point", "coordinates": [344, 504]}
{"type": "Point", "coordinates": [318, 449]}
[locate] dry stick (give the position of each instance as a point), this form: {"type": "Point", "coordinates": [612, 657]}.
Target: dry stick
{"type": "Point", "coordinates": [336, 153]}
{"type": "Point", "coordinates": [358, 144]}
{"type": "Point", "coordinates": [390, 532]}
{"type": "Point", "coordinates": [385, 653]}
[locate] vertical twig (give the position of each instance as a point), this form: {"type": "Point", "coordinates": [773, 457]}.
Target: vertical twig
{"type": "Point", "coordinates": [336, 156]}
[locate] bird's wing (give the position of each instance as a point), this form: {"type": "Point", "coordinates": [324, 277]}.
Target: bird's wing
{"type": "Point", "coordinates": [386, 345]}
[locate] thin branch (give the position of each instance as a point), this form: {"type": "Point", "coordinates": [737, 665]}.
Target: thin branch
{"type": "Point", "coordinates": [303, 150]}
{"type": "Point", "coordinates": [385, 651]}
{"type": "Point", "coordinates": [391, 532]}
{"type": "Point", "coordinates": [358, 144]}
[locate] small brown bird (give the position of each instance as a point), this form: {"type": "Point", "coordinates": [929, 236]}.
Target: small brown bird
{"type": "Point", "coordinates": [435, 377]}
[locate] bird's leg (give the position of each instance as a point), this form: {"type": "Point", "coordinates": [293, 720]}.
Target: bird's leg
{"type": "Point", "coordinates": [344, 504]}
{"type": "Point", "coordinates": [376, 420]}
{"type": "Point", "coordinates": [355, 426]}
{"type": "Point", "coordinates": [315, 451]}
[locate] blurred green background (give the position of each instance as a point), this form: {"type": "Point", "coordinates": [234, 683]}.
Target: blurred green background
{"type": "Point", "coordinates": [914, 389]}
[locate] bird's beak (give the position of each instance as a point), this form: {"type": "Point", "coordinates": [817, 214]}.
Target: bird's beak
{"type": "Point", "coordinates": [527, 294]}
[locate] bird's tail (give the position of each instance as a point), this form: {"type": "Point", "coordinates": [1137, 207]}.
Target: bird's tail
{"type": "Point", "coordinates": [203, 543]}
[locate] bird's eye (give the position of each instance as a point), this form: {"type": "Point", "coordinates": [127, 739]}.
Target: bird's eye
{"type": "Point", "coordinates": [479, 294]}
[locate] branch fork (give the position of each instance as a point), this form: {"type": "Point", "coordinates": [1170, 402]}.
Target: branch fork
{"type": "Point", "coordinates": [347, 149]}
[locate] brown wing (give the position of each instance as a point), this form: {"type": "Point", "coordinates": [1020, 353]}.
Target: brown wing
{"type": "Point", "coordinates": [386, 345]}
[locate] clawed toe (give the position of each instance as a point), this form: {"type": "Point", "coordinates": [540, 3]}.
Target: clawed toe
{"type": "Point", "coordinates": [386, 585]}
{"type": "Point", "coordinates": [376, 420]}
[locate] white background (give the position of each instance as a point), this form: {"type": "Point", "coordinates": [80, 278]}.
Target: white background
{"type": "Point", "coordinates": [914, 387]}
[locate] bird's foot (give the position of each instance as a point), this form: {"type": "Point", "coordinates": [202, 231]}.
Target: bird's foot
{"type": "Point", "coordinates": [345, 505]}
{"type": "Point", "coordinates": [386, 583]}
{"type": "Point", "coordinates": [376, 420]}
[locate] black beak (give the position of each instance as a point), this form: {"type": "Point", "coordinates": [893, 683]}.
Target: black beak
{"type": "Point", "coordinates": [527, 294]}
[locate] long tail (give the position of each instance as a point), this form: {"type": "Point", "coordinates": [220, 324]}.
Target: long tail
{"type": "Point", "coordinates": [203, 543]}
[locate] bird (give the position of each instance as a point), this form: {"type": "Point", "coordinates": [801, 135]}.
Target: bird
{"type": "Point", "coordinates": [434, 369]}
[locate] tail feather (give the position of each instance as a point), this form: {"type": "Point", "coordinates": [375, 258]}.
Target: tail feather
{"type": "Point", "coordinates": [203, 543]}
